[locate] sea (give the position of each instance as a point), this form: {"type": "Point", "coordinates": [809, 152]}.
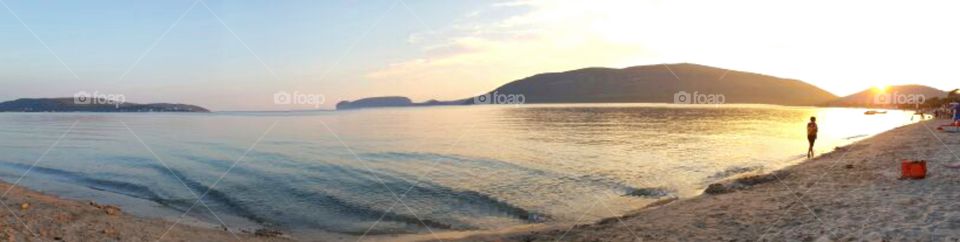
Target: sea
{"type": "Point", "coordinates": [420, 170]}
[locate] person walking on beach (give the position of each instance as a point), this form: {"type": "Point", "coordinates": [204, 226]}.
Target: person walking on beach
{"type": "Point", "coordinates": [811, 135]}
{"type": "Point", "coordinates": [956, 113]}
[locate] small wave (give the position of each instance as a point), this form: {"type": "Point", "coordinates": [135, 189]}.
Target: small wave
{"type": "Point", "coordinates": [600, 181]}
{"type": "Point", "coordinates": [856, 136]}
{"type": "Point", "coordinates": [648, 192]}
{"type": "Point", "coordinates": [366, 211]}
{"type": "Point", "coordinates": [436, 158]}
{"type": "Point", "coordinates": [209, 195]}
{"type": "Point", "coordinates": [484, 201]}
{"type": "Point", "coordinates": [125, 188]}
{"type": "Point", "coordinates": [253, 211]}
{"type": "Point", "coordinates": [119, 187]}
{"type": "Point", "coordinates": [731, 171]}
{"type": "Point", "coordinates": [437, 191]}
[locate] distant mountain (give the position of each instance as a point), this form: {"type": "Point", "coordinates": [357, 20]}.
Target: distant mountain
{"type": "Point", "coordinates": [661, 84]}
{"type": "Point", "coordinates": [892, 96]}
{"type": "Point", "coordinates": [69, 105]}
{"type": "Point", "coordinates": [654, 84]}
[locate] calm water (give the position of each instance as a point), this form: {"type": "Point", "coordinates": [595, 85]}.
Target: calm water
{"type": "Point", "coordinates": [455, 168]}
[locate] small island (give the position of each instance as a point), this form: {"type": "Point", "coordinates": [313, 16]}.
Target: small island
{"type": "Point", "coordinates": [392, 101]}
{"type": "Point", "coordinates": [70, 105]}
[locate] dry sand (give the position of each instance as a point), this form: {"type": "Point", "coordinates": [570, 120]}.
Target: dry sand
{"type": "Point", "coordinates": [850, 194]}
{"type": "Point", "coordinates": [41, 217]}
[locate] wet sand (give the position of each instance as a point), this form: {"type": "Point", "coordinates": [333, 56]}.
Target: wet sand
{"type": "Point", "coordinates": [850, 194]}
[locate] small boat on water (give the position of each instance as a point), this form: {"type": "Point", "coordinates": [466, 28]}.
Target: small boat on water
{"type": "Point", "coordinates": [872, 112]}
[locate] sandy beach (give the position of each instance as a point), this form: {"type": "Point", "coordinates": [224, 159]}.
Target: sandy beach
{"type": "Point", "coordinates": [850, 194]}
{"type": "Point", "coordinates": [42, 217]}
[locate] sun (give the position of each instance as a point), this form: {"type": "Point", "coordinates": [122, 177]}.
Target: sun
{"type": "Point", "coordinates": [881, 88]}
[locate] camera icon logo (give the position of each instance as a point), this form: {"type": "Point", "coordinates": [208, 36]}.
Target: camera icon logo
{"type": "Point", "coordinates": [81, 98]}
{"type": "Point", "coordinates": [483, 99]}
{"type": "Point", "coordinates": [682, 97]}
{"type": "Point", "coordinates": [282, 98]}
{"type": "Point", "coordinates": [884, 98]}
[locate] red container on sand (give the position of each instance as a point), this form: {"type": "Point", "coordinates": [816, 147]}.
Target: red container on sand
{"type": "Point", "coordinates": [913, 169]}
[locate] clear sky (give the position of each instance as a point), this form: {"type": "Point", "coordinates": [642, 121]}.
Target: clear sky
{"type": "Point", "coordinates": [234, 55]}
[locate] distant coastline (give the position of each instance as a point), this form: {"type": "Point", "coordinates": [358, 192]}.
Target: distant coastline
{"type": "Point", "coordinates": [391, 101]}
{"type": "Point", "coordinates": [663, 83]}
{"type": "Point", "coordinates": [71, 105]}
{"type": "Point", "coordinates": [682, 83]}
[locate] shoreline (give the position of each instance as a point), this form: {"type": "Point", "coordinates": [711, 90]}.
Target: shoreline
{"type": "Point", "coordinates": [850, 193]}
{"type": "Point", "coordinates": [44, 217]}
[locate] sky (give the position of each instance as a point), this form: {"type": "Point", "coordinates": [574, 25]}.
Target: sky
{"type": "Point", "coordinates": [235, 55]}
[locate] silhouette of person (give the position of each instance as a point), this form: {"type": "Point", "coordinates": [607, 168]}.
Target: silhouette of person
{"type": "Point", "coordinates": [811, 135]}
